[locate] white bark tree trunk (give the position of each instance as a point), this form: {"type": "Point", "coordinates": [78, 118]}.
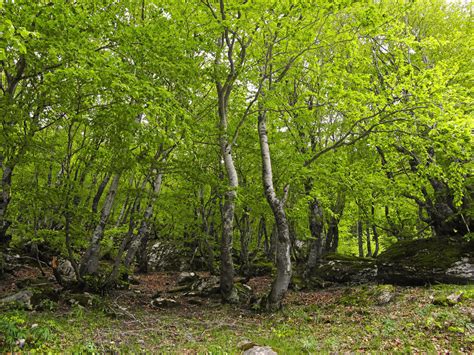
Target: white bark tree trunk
{"type": "Point", "coordinates": [90, 260]}
{"type": "Point", "coordinates": [283, 255]}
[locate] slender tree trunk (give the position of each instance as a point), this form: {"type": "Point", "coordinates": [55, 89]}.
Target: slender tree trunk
{"type": "Point", "coordinates": [273, 243]}
{"type": "Point", "coordinates": [4, 202]}
{"type": "Point", "coordinates": [360, 240]}
{"type": "Point", "coordinates": [283, 277]}
{"type": "Point", "coordinates": [100, 191]}
{"type": "Point", "coordinates": [121, 216]}
{"type": "Point", "coordinates": [229, 294]}
{"type": "Point", "coordinates": [142, 256]}
{"type": "Point", "coordinates": [145, 224]}
{"type": "Point", "coordinates": [375, 233]}
{"type": "Point", "coordinates": [125, 242]}
{"type": "Point", "coordinates": [90, 260]}
{"type": "Point", "coordinates": [244, 229]}
{"type": "Point", "coordinates": [315, 220]}
{"type": "Point", "coordinates": [262, 230]}
{"type": "Point", "coordinates": [369, 245]}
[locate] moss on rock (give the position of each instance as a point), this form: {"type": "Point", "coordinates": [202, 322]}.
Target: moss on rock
{"type": "Point", "coordinates": [425, 261]}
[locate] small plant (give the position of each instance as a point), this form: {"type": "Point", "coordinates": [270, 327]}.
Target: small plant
{"type": "Point", "coordinates": [309, 345]}
{"type": "Point", "coordinates": [16, 334]}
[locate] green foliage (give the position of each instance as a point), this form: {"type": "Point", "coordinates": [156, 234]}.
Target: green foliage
{"type": "Point", "coordinates": [17, 334]}
{"type": "Point", "coordinates": [369, 112]}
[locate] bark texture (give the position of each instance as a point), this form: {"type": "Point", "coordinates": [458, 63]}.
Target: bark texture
{"type": "Point", "coordinates": [90, 260]}
{"type": "Point", "coordinates": [283, 255]}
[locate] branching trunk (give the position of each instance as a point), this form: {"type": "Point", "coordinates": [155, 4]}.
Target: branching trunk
{"type": "Point", "coordinates": [90, 260]}
{"type": "Point", "coordinates": [145, 224]}
{"type": "Point", "coordinates": [125, 242]}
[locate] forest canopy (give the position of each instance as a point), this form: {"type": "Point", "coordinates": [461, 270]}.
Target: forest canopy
{"type": "Point", "coordinates": [235, 134]}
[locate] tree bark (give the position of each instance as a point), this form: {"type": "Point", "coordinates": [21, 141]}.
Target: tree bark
{"type": "Point", "coordinates": [316, 227]}
{"type": "Point", "coordinates": [4, 202]}
{"type": "Point", "coordinates": [375, 233]}
{"type": "Point", "coordinates": [360, 240]}
{"type": "Point", "coordinates": [145, 224]}
{"type": "Point", "coordinates": [245, 234]}
{"type": "Point", "coordinates": [90, 260]}
{"type": "Point", "coordinates": [369, 244]}
{"type": "Point", "coordinates": [283, 255]}
{"type": "Point", "coordinates": [229, 294]}
{"type": "Point", "coordinates": [100, 191]}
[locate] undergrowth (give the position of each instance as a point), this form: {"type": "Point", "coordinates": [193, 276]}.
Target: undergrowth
{"type": "Point", "coordinates": [343, 319]}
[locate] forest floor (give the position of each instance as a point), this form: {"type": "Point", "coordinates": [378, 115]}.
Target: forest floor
{"type": "Point", "coordinates": [337, 319]}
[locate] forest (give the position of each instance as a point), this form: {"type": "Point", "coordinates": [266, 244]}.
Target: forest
{"type": "Point", "coordinates": [236, 176]}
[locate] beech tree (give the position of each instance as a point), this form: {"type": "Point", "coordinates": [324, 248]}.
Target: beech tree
{"type": "Point", "coordinates": [238, 132]}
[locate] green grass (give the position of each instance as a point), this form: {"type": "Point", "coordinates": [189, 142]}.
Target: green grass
{"type": "Point", "coordinates": [340, 319]}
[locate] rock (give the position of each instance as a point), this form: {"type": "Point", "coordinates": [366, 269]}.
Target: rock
{"type": "Point", "coordinates": [186, 278]}
{"type": "Point", "coordinates": [450, 300]}
{"type": "Point", "coordinates": [246, 345]}
{"type": "Point", "coordinates": [341, 269]}
{"type": "Point", "coordinates": [162, 302]}
{"type": "Point", "coordinates": [164, 256]}
{"type": "Point", "coordinates": [427, 261]}
{"type": "Point", "coordinates": [463, 268]}
{"type": "Point", "coordinates": [20, 299]}
{"type": "Point", "coordinates": [385, 294]}
{"type": "Point", "coordinates": [21, 343]}
{"type": "Point", "coordinates": [260, 350]}
{"type": "Point", "coordinates": [66, 271]}
{"type": "Point", "coordinates": [454, 298]}
{"type": "Point", "coordinates": [84, 299]}
{"type": "Point", "coordinates": [206, 286]}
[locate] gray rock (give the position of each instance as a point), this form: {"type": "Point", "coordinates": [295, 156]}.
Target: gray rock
{"type": "Point", "coordinates": [164, 256]}
{"type": "Point", "coordinates": [260, 350]}
{"type": "Point", "coordinates": [206, 286]}
{"type": "Point", "coordinates": [20, 299]}
{"type": "Point", "coordinates": [462, 268]}
{"type": "Point", "coordinates": [385, 297]}
{"type": "Point", "coordinates": [162, 302]}
{"type": "Point", "coordinates": [66, 271]}
{"type": "Point", "coordinates": [454, 298]}
{"type": "Point", "coordinates": [186, 277]}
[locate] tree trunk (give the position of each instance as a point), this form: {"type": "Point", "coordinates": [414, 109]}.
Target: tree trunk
{"type": "Point", "coordinates": [229, 294]}
{"type": "Point", "coordinates": [315, 220]}
{"type": "Point", "coordinates": [360, 240]}
{"type": "Point", "coordinates": [90, 260]}
{"type": "Point", "coordinates": [369, 245]}
{"type": "Point", "coordinates": [4, 201]}
{"type": "Point", "coordinates": [100, 191]}
{"type": "Point", "coordinates": [142, 256]}
{"type": "Point", "coordinates": [123, 246]}
{"type": "Point", "coordinates": [283, 255]}
{"type": "Point", "coordinates": [375, 233]}
{"type": "Point", "coordinates": [244, 229]}
{"type": "Point", "coordinates": [145, 224]}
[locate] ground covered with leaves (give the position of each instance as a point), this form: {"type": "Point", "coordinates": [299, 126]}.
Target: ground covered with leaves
{"type": "Point", "coordinates": [351, 318]}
